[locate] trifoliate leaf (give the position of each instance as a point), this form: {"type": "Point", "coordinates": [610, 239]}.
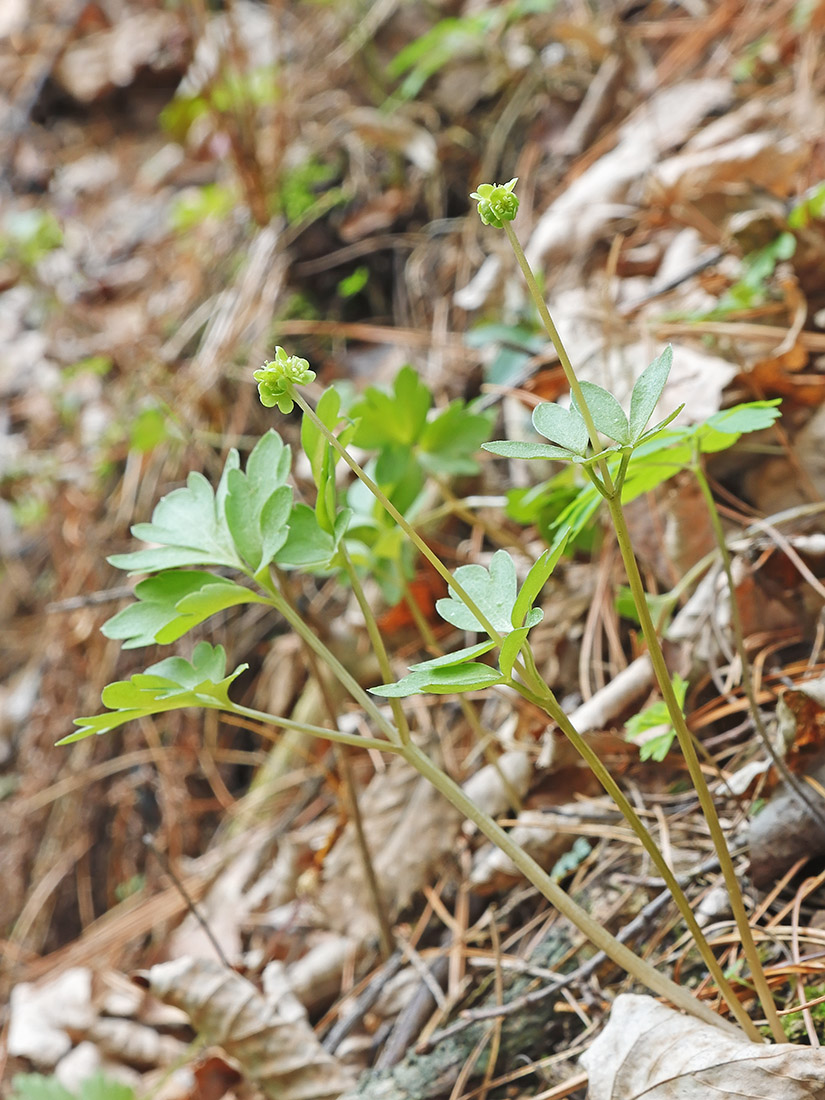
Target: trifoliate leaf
{"type": "Point", "coordinates": [563, 426]}
{"type": "Point", "coordinates": [189, 528]}
{"type": "Point", "coordinates": [171, 684]}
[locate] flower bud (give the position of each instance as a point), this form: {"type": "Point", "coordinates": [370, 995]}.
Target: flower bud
{"type": "Point", "coordinates": [496, 202]}
{"type": "Point", "coordinates": [277, 376]}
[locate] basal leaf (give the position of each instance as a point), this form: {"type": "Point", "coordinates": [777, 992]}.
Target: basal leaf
{"type": "Point", "coordinates": [607, 413]}
{"type": "Point", "coordinates": [173, 602]}
{"type": "Point", "coordinates": [647, 391]}
{"type": "Point", "coordinates": [449, 441]}
{"type": "Point", "coordinates": [399, 417]}
{"type": "Point", "coordinates": [563, 426]}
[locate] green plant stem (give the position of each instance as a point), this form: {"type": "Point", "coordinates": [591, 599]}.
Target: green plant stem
{"type": "Point", "coordinates": [612, 494]}
{"type": "Point", "coordinates": [392, 511]}
{"type": "Point", "coordinates": [353, 739]}
{"type": "Point", "coordinates": [683, 734]}
{"type": "Point", "coordinates": [598, 935]}
{"type": "Point", "coordinates": [544, 697]}
{"type": "Point", "coordinates": [789, 778]}
{"type": "Point", "coordinates": [377, 642]}
{"type": "Point", "coordinates": [352, 807]}
{"type": "Point", "coordinates": [472, 719]}
{"type": "Point", "coordinates": [343, 675]}
{"type": "Point", "coordinates": [561, 350]}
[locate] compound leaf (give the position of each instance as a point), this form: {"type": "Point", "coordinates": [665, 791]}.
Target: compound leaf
{"type": "Point", "coordinates": [170, 684]}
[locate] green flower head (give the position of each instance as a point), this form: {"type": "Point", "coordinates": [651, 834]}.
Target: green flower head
{"type": "Point", "coordinates": [277, 377]}
{"type": "Point", "coordinates": [496, 202]}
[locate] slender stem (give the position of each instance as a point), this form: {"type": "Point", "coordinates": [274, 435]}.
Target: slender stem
{"type": "Point", "coordinates": [547, 701]}
{"type": "Point", "coordinates": [612, 494]}
{"type": "Point", "coordinates": [352, 807]}
{"type": "Point", "coordinates": [638, 968]}
{"type": "Point", "coordinates": [561, 350]}
{"type": "Point", "coordinates": [391, 510]}
{"type": "Point", "coordinates": [343, 675]}
{"type": "Point", "coordinates": [683, 734]}
{"type": "Point", "coordinates": [739, 640]}
{"type": "Point", "coordinates": [380, 650]}
{"type": "Point", "coordinates": [353, 739]}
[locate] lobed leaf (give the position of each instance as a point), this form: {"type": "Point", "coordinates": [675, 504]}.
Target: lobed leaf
{"type": "Point", "coordinates": [170, 684]}
{"type": "Point", "coordinates": [493, 591]}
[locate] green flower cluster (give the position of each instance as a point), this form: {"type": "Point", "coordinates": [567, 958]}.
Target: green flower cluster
{"type": "Point", "coordinates": [496, 202]}
{"type": "Point", "coordinates": [277, 377]}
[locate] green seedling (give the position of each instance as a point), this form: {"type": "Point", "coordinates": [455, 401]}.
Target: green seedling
{"type": "Point", "coordinates": [214, 549]}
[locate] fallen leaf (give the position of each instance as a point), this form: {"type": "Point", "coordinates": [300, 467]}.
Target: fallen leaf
{"type": "Point", "coordinates": [281, 1056]}
{"type": "Point", "coordinates": [650, 1051]}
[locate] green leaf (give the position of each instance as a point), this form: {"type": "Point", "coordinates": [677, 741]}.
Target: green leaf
{"type": "Point", "coordinates": [448, 442]}
{"type": "Point", "coordinates": [511, 647]}
{"type": "Point", "coordinates": [607, 413]}
{"type": "Point", "coordinates": [469, 653]}
{"type": "Point", "coordinates": [647, 391]}
{"type": "Point", "coordinates": [536, 579]}
{"type": "Point", "coordinates": [444, 680]}
{"type": "Point", "coordinates": [507, 448]}
{"type": "Point", "coordinates": [34, 1086]}
{"type": "Point", "coordinates": [563, 426]}
{"type": "Point", "coordinates": [753, 416]}
{"type": "Point", "coordinates": [493, 591]}
{"type": "Point", "coordinates": [308, 546]}
{"type": "Point", "coordinates": [99, 1087]}
{"type": "Point", "coordinates": [261, 491]}
{"type": "Point", "coordinates": [170, 684]}
{"type": "Point", "coordinates": [387, 419]}
{"type": "Point", "coordinates": [656, 717]}
{"type": "Point", "coordinates": [172, 603]}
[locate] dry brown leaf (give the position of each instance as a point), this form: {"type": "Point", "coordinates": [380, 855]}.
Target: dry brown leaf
{"type": "Point", "coordinates": [95, 65]}
{"type": "Point", "coordinates": [281, 1056]}
{"type": "Point", "coordinates": [650, 1051]}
